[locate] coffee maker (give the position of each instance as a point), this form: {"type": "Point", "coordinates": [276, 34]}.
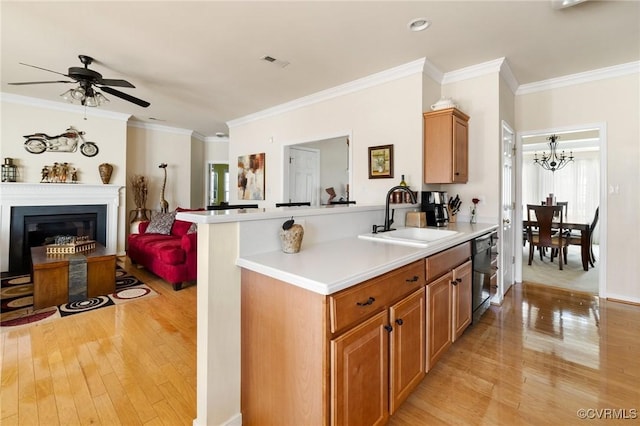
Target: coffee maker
{"type": "Point", "coordinates": [434, 204]}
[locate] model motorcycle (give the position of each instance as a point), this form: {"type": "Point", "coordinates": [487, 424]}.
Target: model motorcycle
{"type": "Point", "coordinates": [38, 143]}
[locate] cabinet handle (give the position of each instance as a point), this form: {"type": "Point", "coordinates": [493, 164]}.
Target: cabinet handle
{"type": "Point", "coordinates": [459, 280]}
{"type": "Point", "coordinates": [388, 328]}
{"type": "Point", "coordinates": [413, 279]}
{"type": "Point", "coordinates": [399, 321]}
{"type": "Point", "coordinates": [368, 302]}
{"type": "Point", "coordinates": [454, 282]}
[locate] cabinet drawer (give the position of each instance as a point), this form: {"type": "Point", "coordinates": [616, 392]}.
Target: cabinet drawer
{"type": "Point", "coordinates": [359, 302]}
{"type": "Point", "coordinates": [445, 261]}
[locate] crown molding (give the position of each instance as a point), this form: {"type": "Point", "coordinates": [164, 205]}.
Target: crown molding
{"type": "Point", "coordinates": [478, 70]}
{"type": "Point", "coordinates": [579, 78]}
{"type": "Point", "coordinates": [62, 106]}
{"type": "Point", "coordinates": [161, 128]}
{"type": "Point", "coordinates": [507, 75]}
{"type": "Point", "coordinates": [216, 139]}
{"type": "Point", "coordinates": [432, 71]}
{"type": "Point", "coordinates": [392, 74]}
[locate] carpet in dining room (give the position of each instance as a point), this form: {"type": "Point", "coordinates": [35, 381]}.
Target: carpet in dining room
{"type": "Point", "coordinates": [572, 277]}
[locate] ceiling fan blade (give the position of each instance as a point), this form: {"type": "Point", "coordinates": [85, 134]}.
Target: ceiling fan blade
{"type": "Point", "coordinates": [125, 96]}
{"type": "Point", "coordinates": [117, 83]}
{"type": "Point", "coordinates": [38, 82]}
{"type": "Point", "coordinates": [44, 69]}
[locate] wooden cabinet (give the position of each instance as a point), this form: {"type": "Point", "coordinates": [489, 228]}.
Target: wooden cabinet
{"type": "Point", "coordinates": [461, 299]}
{"type": "Point", "coordinates": [359, 374]}
{"type": "Point", "coordinates": [446, 136]}
{"type": "Point", "coordinates": [352, 357]}
{"type": "Point", "coordinates": [438, 319]}
{"type": "Point", "coordinates": [348, 358]}
{"type": "Point", "coordinates": [448, 299]}
{"type": "Point", "coordinates": [407, 347]}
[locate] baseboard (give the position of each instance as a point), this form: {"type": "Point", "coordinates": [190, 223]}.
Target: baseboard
{"type": "Point", "coordinates": [235, 420]}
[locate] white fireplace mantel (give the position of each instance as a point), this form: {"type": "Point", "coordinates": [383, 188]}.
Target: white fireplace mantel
{"type": "Point", "coordinates": [56, 194]}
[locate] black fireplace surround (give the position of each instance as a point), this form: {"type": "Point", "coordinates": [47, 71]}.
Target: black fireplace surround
{"type": "Point", "coordinates": [35, 225]}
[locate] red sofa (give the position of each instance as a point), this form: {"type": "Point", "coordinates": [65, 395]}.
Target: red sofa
{"type": "Point", "coordinates": [171, 257]}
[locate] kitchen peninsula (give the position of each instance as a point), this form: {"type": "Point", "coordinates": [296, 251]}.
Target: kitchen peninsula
{"type": "Point", "coordinates": [332, 261]}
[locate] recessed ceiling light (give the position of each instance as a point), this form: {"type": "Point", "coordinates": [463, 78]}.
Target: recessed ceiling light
{"type": "Point", "coordinates": [221, 135]}
{"type": "Point", "coordinates": [419, 24]}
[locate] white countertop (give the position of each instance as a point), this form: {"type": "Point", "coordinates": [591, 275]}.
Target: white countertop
{"type": "Point", "coordinates": [328, 267]}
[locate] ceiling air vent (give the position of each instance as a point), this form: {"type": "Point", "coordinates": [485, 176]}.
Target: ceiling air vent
{"type": "Point", "coordinates": [275, 61]}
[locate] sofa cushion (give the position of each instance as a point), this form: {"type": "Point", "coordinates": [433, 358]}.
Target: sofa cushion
{"type": "Point", "coordinates": [182, 227]}
{"type": "Point", "coordinates": [161, 223]}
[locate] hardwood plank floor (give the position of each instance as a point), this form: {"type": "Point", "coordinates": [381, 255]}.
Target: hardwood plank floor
{"type": "Point", "coordinates": [129, 364]}
{"type": "Point", "coordinates": [537, 359]}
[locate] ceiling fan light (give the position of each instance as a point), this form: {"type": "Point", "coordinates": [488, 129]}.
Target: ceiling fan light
{"type": "Point", "coordinates": [67, 96]}
{"type": "Point", "coordinates": [91, 102]}
{"type": "Point", "coordinates": [100, 98]}
{"type": "Point", "coordinates": [77, 93]}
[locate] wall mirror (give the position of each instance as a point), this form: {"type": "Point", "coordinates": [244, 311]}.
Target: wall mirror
{"type": "Point", "coordinates": [310, 168]}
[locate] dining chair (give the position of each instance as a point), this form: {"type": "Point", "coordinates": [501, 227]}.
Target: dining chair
{"type": "Point", "coordinates": [576, 238]}
{"type": "Point", "coordinates": [549, 234]}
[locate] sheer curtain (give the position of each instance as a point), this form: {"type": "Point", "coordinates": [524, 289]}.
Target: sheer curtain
{"type": "Point", "coordinates": [578, 183]}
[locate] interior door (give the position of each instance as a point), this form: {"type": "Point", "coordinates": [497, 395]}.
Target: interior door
{"type": "Point", "coordinates": [304, 175]}
{"type": "Point", "coordinates": [507, 234]}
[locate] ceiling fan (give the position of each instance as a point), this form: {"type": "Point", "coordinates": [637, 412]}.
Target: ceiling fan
{"type": "Point", "coordinates": [88, 80]}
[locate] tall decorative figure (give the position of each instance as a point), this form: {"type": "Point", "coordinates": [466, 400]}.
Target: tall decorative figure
{"type": "Point", "coordinates": [164, 205]}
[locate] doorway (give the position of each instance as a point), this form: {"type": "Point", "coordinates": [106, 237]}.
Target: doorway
{"type": "Point", "coordinates": [217, 183]}
{"type": "Point", "coordinates": [582, 183]}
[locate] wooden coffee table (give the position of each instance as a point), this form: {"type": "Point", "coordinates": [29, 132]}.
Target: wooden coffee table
{"type": "Point", "coordinates": [51, 275]}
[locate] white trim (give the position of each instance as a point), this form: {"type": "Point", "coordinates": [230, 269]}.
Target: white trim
{"type": "Point", "coordinates": [216, 139]}
{"type": "Point", "coordinates": [432, 71]}
{"type": "Point", "coordinates": [159, 128]}
{"type": "Point", "coordinates": [392, 74]}
{"type": "Point", "coordinates": [473, 71]}
{"type": "Point", "coordinates": [507, 74]}
{"type": "Point", "coordinates": [579, 78]}
{"type": "Point", "coordinates": [62, 106]}
{"type": "Point", "coordinates": [602, 128]}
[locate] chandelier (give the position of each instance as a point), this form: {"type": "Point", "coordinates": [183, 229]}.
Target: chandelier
{"type": "Point", "coordinates": [86, 95]}
{"type": "Point", "coordinates": [553, 161]}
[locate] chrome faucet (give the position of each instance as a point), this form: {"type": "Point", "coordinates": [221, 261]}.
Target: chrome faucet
{"type": "Point", "coordinates": [389, 221]}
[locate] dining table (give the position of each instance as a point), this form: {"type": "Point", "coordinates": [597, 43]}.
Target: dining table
{"type": "Point", "coordinates": [579, 223]}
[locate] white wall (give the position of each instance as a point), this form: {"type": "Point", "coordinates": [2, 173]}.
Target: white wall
{"type": "Point", "coordinates": [22, 116]}
{"type": "Point", "coordinates": [479, 98]}
{"type": "Point", "coordinates": [149, 146]}
{"type": "Point", "coordinates": [390, 113]}
{"type": "Point", "coordinates": [614, 101]}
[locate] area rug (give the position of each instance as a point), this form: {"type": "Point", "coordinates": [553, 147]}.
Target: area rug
{"type": "Point", "coordinates": [16, 300]}
{"type": "Point", "coordinates": [572, 277]}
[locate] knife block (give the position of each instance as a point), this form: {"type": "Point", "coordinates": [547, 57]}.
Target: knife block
{"type": "Point", "coordinates": [452, 216]}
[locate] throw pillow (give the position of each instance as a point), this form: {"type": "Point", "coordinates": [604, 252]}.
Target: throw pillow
{"type": "Point", "coordinates": [161, 223]}
{"type": "Point", "coordinates": [181, 227]}
{"type": "Point", "coordinates": [193, 229]}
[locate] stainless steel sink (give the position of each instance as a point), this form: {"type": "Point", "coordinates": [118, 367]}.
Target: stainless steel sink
{"type": "Point", "coordinates": [415, 237]}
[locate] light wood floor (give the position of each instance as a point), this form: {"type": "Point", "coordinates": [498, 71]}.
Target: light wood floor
{"type": "Point", "coordinates": [127, 364]}
{"type": "Point", "coordinates": [538, 359]}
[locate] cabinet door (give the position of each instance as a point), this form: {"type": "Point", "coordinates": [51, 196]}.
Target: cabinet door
{"type": "Point", "coordinates": [460, 150]}
{"type": "Point", "coordinates": [462, 294]}
{"type": "Point", "coordinates": [438, 318]}
{"type": "Point", "coordinates": [360, 374]}
{"type": "Point", "coordinates": [408, 347]}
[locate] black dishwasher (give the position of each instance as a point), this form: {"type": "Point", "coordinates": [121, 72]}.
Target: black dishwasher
{"type": "Point", "coordinates": [484, 273]}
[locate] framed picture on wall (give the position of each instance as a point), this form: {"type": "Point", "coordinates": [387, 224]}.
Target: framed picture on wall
{"type": "Point", "coordinates": [251, 176]}
{"type": "Point", "coordinates": [381, 162]}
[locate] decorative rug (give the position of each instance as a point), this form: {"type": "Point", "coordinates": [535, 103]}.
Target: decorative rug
{"type": "Point", "coordinates": [16, 300]}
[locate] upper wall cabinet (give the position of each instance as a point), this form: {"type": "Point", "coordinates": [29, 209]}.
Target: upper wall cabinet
{"type": "Point", "coordinates": [446, 137]}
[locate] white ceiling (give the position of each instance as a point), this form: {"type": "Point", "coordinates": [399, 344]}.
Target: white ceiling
{"type": "Point", "coordinates": [198, 62]}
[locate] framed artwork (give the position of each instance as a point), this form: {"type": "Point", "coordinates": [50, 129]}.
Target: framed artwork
{"type": "Point", "coordinates": [381, 162]}
{"type": "Point", "coordinates": [251, 177]}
